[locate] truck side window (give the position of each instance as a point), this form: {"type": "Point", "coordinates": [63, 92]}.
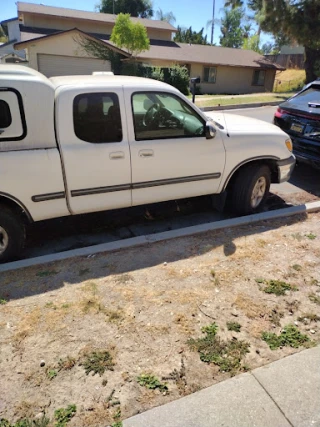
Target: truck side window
{"type": "Point", "coordinates": [161, 115]}
{"type": "Point", "coordinates": [5, 115]}
{"type": "Point", "coordinates": [97, 118]}
{"type": "Point", "coordinates": [12, 120]}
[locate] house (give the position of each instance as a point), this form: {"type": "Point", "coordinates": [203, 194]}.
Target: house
{"type": "Point", "coordinates": [7, 50]}
{"type": "Point", "coordinates": [50, 36]}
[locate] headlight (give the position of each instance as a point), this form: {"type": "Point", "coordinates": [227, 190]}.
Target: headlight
{"type": "Point", "coordinates": [289, 144]}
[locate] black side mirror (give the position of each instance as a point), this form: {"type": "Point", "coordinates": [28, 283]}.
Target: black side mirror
{"type": "Point", "coordinates": [210, 130]}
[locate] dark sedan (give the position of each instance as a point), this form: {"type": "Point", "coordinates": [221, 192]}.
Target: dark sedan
{"type": "Point", "coordinates": [299, 117]}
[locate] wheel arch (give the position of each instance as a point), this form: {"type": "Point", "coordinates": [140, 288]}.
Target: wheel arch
{"type": "Point", "coordinates": [15, 204]}
{"type": "Point", "coordinates": [271, 162]}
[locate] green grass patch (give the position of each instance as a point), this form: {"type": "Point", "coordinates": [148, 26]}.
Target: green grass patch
{"type": "Point", "coordinates": [151, 382]}
{"type": "Point", "coordinates": [310, 236]}
{"type": "Point", "coordinates": [225, 354]}
{"type": "Point", "coordinates": [277, 287]}
{"type": "Point", "coordinates": [98, 362]}
{"type": "Point", "coordinates": [234, 326]}
{"type": "Point", "coordinates": [290, 336]}
{"type": "Point", "coordinates": [224, 100]}
{"type": "Point", "coordinates": [3, 302]}
{"type": "Point", "coordinates": [26, 422]}
{"type": "Point", "coordinates": [64, 415]}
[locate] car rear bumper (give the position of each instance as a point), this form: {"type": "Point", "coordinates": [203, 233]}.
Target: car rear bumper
{"type": "Point", "coordinates": [285, 168]}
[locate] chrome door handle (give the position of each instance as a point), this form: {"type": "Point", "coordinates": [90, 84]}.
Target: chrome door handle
{"type": "Point", "coordinates": [146, 153]}
{"type": "Point", "coordinates": [116, 155]}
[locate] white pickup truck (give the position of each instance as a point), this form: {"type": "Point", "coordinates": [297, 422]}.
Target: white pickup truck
{"type": "Point", "coordinates": [79, 144]}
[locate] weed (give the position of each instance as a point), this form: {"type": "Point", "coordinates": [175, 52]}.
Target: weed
{"type": "Point", "coordinates": [92, 304]}
{"type": "Point", "coordinates": [26, 422]}
{"type": "Point", "coordinates": [225, 354]}
{"type": "Point", "coordinates": [234, 326]}
{"type": "Point", "coordinates": [51, 305]}
{"type": "Point", "coordinates": [151, 382]}
{"type": "Point", "coordinates": [179, 377]}
{"type": "Point", "coordinates": [309, 317]}
{"type": "Point", "coordinates": [297, 236]}
{"type": "Point", "coordinates": [275, 316]}
{"type": "Point", "coordinates": [314, 298]}
{"type": "Point", "coordinates": [84, 271]}
{"type": "Point", "coordinates": [117, 419]}
{"type": "Point", "coordinates": [97, 362]}
{"type": "Point", "coordinates": [296, 267]}
{"type": "Point", "coordinates": [259, 280]}
{"type": "Point", "coordinates": [124, 278]}
{"type": "Point", "coordinates": [278, 287]}
{"type": "Point", "coordinates": [65, 306]}
{"type": "Point", "coordinates": [51, 373]}
{"type": "Point", "coordinates": [314, 282]}
{"type": "Point", "coordinates": [114, 316]}
{"type": "Point", "coordinates": [290, 336]}
{"type": "Point", "coordinates": [64, 415]}
{"type": "Point", "coordinates": [310, 236]}
{"type": "Point", "coordinates": [47, 273]}
{"type": "Point", "coordinates": [2, 302]}
{"type": "Point", "coordinates": [66, 364]}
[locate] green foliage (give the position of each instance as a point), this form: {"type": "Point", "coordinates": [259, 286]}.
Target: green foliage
{"type": "Point", "coordinates": [137, 8]}
{"type": "Point", "coordinates": [3, 301]}
{"type": "Point", "coordinates": [231, 29]}
{"type": "Point", "coordinates": [290, 336]}
{"type": "Point", "coordinates": [151, 382]}
{"type": "Point", "coordinates": [47, 273]}
{"type": "Point", "coordinates": [225, 354]}
{"type": "Point", "coordinates": [98, 362]}
{"type": "Point", "coordinates": [52, 373]}
{"type": "Point", "coordinates": [252, 43]}
{"type": "Point", "coordinates": [168, 17]}
{"type": "Point", "coordinates": [64, 415]}
{"type": "Point", "coordinates": [26, 422]}
{"type": "Point", "coordinates": [311, 236]}
{"type": "Point", "coordinates": [278, 287]}
{"type": "Point", "coordinates": [129, 35]}
{"type": "Point", "coordinates": [187, 35]}
{"type": "Point", "coordinates": [178, 77]}
{"type": "Point", "coordinates": [234, 326]}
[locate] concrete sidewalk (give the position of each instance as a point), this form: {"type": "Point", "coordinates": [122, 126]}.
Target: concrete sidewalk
{"type": "Point", "coordinates": [282, 394]}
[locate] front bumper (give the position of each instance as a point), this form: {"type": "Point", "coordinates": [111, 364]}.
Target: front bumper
{"type": "Point", "coordinates": [285, 168]}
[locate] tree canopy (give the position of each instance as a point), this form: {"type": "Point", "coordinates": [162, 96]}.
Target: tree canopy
{"type": "Point", "coordinates": [187, 35]}
{"type": "Point", "coordinates": [129, 35]}
{"type": "Point", "coordinates": [232, 33]}
{"type": "Point", "coordinates": [168, 16]}
{"type": "Point", "coordinates": [136, 8]}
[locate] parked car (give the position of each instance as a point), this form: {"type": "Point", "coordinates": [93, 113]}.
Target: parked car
{"type": "Point", "coordinates": [299, 117]}
{"type": "Point", "coordinates": [80, 144]}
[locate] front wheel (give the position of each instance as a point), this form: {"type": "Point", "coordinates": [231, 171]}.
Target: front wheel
{"type": "Point", "coordinates": [12, 234]}
{"type": "Point", "coordinates": [251, 188]}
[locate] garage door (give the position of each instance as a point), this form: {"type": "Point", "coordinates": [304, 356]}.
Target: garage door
{"type": "Point", "coordinates": [55, 65]}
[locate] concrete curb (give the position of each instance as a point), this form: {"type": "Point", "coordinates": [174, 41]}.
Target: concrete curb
{"type": "Point", "coordinates": [235, 107]}
{"type": "Point", "coordinates": [158, 237]}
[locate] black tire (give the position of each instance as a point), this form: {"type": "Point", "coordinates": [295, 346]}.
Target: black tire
{"type": "Point", "coordinates": [251, 180]}
{"type": "Point", "coordinates": [12, 234]}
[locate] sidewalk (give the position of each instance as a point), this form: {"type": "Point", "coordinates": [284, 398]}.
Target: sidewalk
{"type": "Point", "coordinates": [282, 394]}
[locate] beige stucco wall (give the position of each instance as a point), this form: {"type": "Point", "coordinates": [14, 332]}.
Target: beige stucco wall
{"type": "Point", "coordinates": [59, 23]}
{"type": "Point", "coordinates": [63, 44]}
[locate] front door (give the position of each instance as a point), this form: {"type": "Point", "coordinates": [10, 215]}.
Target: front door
{"type": "Point", "coordinates": [170, 155]}
{"type": "Point", "coordinates": [93, 142]}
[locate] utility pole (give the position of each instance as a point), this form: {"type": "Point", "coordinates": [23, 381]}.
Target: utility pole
{"type": "Point", "coordinates": [212, 25]}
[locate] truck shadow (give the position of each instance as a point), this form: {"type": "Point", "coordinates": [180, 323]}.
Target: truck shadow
{"type": "Point", "coordinates": [52, 276]}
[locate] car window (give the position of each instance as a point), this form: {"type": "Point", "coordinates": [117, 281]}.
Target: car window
{"type": "Point", "coordinates": [161, 115]}
{"type": "Point", "coordinates": [97, 118]}
{"type": "Point", "coordinates": [303, 99]}
{"type": "Point", "coordinates": [12, 119]}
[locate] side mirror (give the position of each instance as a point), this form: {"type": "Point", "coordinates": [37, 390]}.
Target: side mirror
{"type": "Point", "coordinates": [210, 130]}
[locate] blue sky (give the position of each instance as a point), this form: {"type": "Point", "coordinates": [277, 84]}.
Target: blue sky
{"type": "Point", "coordinates": [193, 12]}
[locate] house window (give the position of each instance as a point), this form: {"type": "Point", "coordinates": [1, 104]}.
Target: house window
{"type": "Point", "coordinates": [97, 118]}
{"type": "Point", "coordinates": [209, 74]}
{"type": "Point", "coordinates": [258, 78]}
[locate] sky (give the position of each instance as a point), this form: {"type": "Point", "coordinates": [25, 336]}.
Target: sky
{"type": "Point", "coordinates": [195, 13]}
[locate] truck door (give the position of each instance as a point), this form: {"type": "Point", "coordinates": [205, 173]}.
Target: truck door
{"type": "Point", "coordinates": [92, 135]}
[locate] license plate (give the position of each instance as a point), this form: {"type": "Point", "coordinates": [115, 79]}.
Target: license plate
{"type": "Point", "coordinates": [297, 128]}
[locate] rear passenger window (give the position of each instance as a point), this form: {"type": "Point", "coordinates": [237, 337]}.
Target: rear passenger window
{"type": "Point", "coordinates": [5, 115]}
{"type": "Point", "coordinates": [12, 121]}
{"type": "Point", "coordinates": [97, 118]}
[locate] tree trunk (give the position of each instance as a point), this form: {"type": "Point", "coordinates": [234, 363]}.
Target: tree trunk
{"type": "Point", "coordinates": [312, 56]}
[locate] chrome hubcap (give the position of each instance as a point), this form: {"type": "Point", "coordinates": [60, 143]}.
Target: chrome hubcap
{"type": "Point", "coordinates": [4, 240]}
{"type": "Point", "coordinates": [258, 192]}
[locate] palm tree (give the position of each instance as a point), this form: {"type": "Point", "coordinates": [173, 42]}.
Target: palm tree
{"type": "Point", "coordinates": [168, 17]}
{"type": "Point", "coordinates": [233, 3]}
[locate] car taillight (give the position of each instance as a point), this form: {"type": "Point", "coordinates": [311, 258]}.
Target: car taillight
{"type": "Point", "coordinates": [279, 113]}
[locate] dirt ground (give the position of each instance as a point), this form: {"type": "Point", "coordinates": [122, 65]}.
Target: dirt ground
{"type": "Point", "coordinates": [139, 307]}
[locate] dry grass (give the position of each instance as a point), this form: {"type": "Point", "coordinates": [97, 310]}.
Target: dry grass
{"type": "Point", "coordinates": [291, 80]}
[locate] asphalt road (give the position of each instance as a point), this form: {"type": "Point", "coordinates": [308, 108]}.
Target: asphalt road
{"type": "Point", "coordinates": [69, 233]}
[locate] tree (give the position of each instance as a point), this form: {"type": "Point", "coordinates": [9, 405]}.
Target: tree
{"type": "Point", "coordinates": [136, 8]}
{"type": "Point", "coordinates": [252, 43]}
{"type": "Point", "coordinates": [168, 17]}
{"type": "Point", "coordinates": [184, 35]}
{"type": "Point", "coordinates": [297, 19]}
{"type": "Point", "coordinates": [131, 36]}
{"type": "Point", "coordinates": [232, 32]}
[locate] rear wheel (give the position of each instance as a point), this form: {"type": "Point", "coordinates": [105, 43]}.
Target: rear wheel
{"type": "Point", "coordinates": [250, 189]}
{"type": "Point", "coordinates": [12, 234]}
